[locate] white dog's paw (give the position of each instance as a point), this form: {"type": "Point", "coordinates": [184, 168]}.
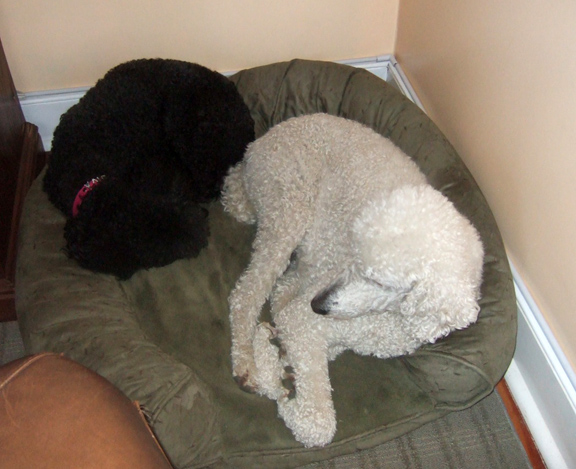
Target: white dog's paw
{"type": "Point", "coordinates": [244, 370]}
{"type": "Point", "coordinates": [245, 378]}
{"type": "Point", "coordinates": [268, 365]}
{"type": "Point", "coordinates": [313, 424]}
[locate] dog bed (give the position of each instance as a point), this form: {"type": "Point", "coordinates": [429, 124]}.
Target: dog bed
{"type": "Point", "coordinates": [163, 338]}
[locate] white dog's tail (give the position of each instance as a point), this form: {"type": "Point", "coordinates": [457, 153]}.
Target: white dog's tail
{"type": "Point", "coordinates": [234, 197]}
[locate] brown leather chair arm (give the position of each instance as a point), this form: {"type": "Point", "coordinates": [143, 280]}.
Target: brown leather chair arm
{"type": "Point", "coordinates": [55, 413]}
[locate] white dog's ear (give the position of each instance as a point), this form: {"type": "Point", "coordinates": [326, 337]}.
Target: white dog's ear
{"type": "Point", "coordinates": [432, 324]}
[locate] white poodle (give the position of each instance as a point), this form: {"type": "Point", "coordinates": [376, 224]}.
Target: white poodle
{"type": "Point", "coordinates": [355, 250]}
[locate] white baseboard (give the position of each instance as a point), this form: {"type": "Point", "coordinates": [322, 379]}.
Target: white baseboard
{"type": "Point", "coordinates": [543, 384]}
{"type": "Point", "coordinates": [44, 108]}
{"type": "Point", "coordinates": [540, 378]}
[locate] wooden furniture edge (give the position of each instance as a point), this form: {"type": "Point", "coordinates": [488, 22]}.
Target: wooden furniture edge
{"type": "Point", "coordinates": [32, 160]}
{"type": "Point", "coordinates": [520, 426]}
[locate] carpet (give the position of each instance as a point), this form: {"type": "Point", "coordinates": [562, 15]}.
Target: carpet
{"type": "Point", "coordinates": [481, 437]}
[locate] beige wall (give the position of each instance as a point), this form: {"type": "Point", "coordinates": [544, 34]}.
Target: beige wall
{"type": "Point", "coordinates": [499, 78]}
{"type": "Point", "coordinates": [65, 43]}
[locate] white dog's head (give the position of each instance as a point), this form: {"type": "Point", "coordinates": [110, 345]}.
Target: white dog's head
{"type": "Point", "coordinates": [417, 256]}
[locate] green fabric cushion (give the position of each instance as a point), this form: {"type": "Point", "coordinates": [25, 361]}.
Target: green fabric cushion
{"type": "Point", "coordinates": [163, 336]}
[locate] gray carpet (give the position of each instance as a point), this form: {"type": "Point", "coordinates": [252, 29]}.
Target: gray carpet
{"type": "Point", "coordinates": [11, 346]}
{"type": "Point", "coordinates": [481, 437]}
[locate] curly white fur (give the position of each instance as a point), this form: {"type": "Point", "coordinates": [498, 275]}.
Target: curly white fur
{"type": "Point", "coordinates": [383, 264]}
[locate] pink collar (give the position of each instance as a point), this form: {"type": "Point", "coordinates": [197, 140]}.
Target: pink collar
{"type": "Point", "coordinates": [83, 192]}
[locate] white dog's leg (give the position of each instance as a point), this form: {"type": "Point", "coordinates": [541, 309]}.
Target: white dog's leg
{"type": "Point", "coordinates": [310, 413]}
{"type": "Point", "coordinates": [267, 349]}
{"type": "Point", "coordinates": [234, 197]}
{"type": "Point", "coordinates": [285, 290]}
{"type": "Point", "coordinates": [268, 365]}
{"type": "Point", "coordinates": [276, 238]}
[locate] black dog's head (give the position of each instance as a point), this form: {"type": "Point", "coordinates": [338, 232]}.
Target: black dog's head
{"type": "Point", "coordinates": [118, 233]}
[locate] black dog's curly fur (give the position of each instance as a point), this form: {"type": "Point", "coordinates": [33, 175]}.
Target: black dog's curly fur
{"type": "Point", "coordinates": [163, 133]}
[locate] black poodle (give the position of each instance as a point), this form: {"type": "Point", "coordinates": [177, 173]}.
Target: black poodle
{"type": "Point", "coordinates": [134, 159]}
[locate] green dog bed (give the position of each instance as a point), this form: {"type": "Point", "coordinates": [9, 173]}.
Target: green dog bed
{"type": "Point", "coordinates": [163, 336]}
